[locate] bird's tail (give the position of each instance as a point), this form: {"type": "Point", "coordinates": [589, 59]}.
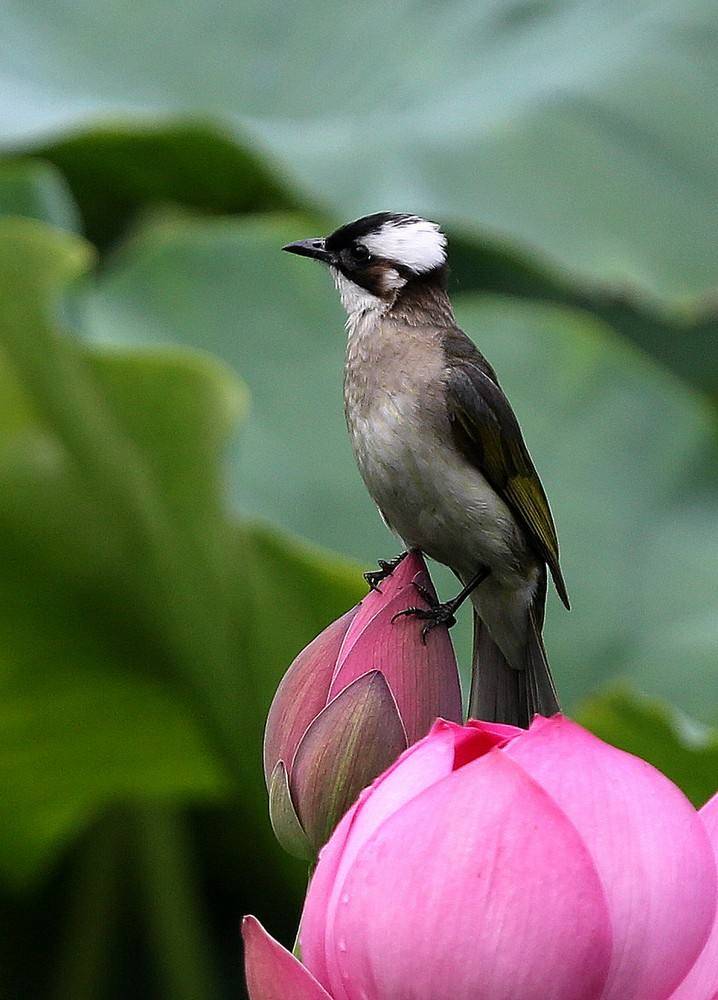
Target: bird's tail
{"type": "Point", "coordinates": [502, 693]}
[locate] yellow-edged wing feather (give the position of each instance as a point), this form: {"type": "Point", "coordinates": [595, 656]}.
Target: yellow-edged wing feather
{"type": "Point", "coordinates": [488, 433]}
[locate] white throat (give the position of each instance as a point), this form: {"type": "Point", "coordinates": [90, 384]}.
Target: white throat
{"type": "Point", "coordinates": [355, 299]}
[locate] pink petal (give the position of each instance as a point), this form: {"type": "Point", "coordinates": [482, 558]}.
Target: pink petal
{"type": "Point", "coordinates": [649, 846]}
{"type": "Point", "coordinates": [357, 736]}
{"type": "Point", "coordinates": [272, 972]}
{"type": "Point", "coordinates": [423, 678]}
{"type": "Point", "coordinates": [475, 738]}
{"type": "Point", "coordinates": [447, 747]}
{"type": "Point", "coordinates": [477, 889]}
{"type": "Point", "coordinates": [502, 729]}
{"type": "Point", "coordinates": [312, 931]}
{"type": "Point", "coordinates": [418, 768]}
{"type": "Point", "coordinates": [302, 694]}
{"type": "Point", "coordinates": [701, 983]}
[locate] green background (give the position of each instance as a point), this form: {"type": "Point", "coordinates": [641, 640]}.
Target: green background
{"type": "Point", "coordinates": [179, 509]}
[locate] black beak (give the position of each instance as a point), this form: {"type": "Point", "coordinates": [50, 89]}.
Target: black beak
{"type": "Point", "coordinates": [310, 248]}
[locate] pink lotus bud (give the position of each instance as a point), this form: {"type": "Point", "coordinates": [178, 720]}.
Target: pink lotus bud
{"type": "Point", "coordinates": [490, 863]}
{"type": "Point", "coordinates": [354, 699]}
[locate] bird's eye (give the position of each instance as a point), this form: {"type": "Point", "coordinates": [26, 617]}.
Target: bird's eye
{"type": "Point", "coordinates": [360, 254]}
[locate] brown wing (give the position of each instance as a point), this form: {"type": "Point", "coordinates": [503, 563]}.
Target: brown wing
{"type": "Point", "coordinates": [488, 433]}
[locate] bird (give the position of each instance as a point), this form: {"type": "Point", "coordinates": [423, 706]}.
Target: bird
{"type": "Point", "coordinates": [442, 454]}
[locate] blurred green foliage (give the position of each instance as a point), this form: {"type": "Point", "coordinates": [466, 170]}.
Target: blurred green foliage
{"type": "Point", "coordinates": [153, 587]}
{"type": "Point", "coordinates": [583, 132]}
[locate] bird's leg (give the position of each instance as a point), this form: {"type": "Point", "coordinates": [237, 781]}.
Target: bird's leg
{"type": "Point", "coordinates": [438, 613]}
{"type": "Point", "coordinates": [386, 568]}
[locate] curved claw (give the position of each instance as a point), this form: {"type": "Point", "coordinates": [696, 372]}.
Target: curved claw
{"type": "Point", "coordinates": [439, 614]}
{"type": "Point", "coordinates": [374, 577]}
{"type": "Point", "coordinates": [407, 611]}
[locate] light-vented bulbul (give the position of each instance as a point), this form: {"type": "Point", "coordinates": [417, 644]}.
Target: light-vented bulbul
{"type": "Point", "coordinates": [442, 455]}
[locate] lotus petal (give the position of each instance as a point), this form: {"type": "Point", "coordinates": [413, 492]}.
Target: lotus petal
{"type": "Point", "coordinates": [272, 972]}
{"type": "Point", "coordinates": [356, 737]}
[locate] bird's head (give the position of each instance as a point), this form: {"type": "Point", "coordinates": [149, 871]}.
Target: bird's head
{"type": "Point", "coordinates": [377, 256]}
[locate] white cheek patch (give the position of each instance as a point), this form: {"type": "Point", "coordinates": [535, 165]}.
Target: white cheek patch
{"type": "Point", "coordinates": [415, 243]}
{"type": "Point", "coordinates": [391, 280]}
{"type": "Point", "coordinates": [354, 298]}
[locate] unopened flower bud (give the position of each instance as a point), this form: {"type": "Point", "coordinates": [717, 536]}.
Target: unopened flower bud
{"type": "Point", "coordinates": [362, 692]}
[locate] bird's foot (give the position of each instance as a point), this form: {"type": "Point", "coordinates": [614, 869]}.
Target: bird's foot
{"type": "Point", "coordinates": [436, 614]}
{"type": "Point", "coordinates": [386, 567]}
